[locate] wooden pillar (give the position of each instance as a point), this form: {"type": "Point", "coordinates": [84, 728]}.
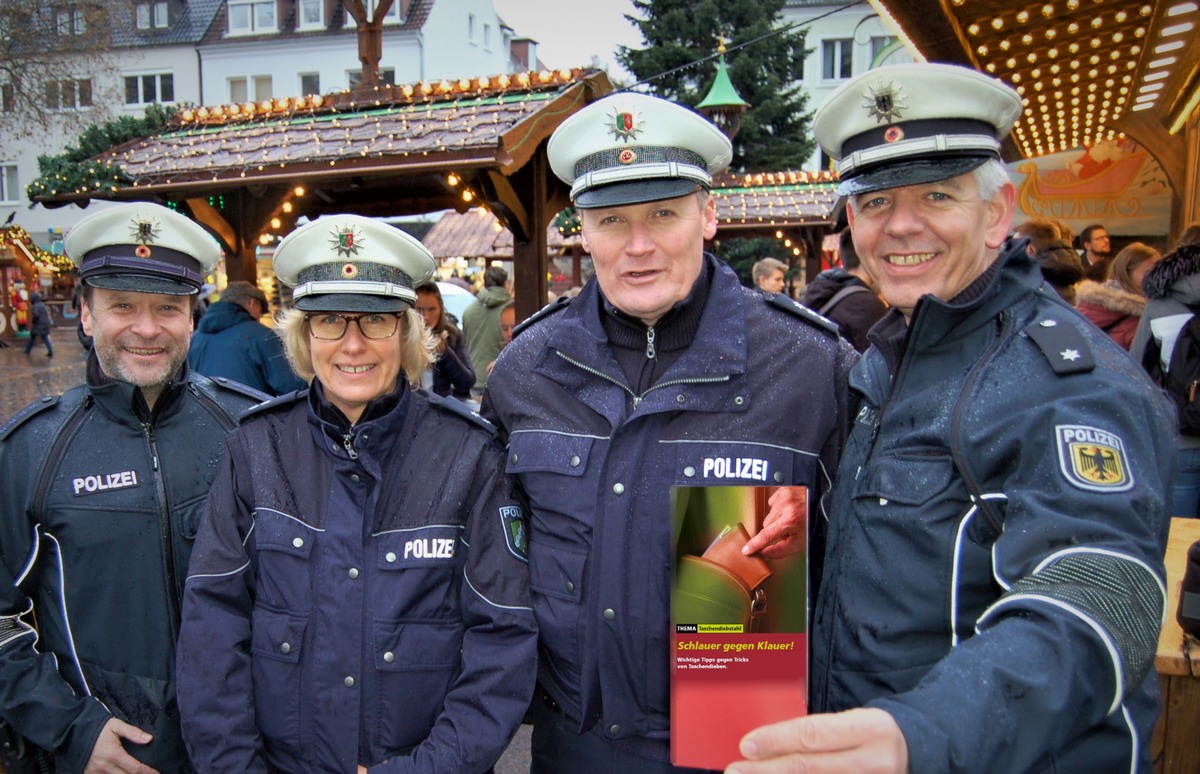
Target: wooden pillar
{"type": "Point", "coordinates": [529, 258]}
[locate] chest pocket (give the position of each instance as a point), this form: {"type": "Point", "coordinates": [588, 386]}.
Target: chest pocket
{"type": "Point", "coordinates": [282, 548]}
{"type": "Point", "coordinates": [905, 478]}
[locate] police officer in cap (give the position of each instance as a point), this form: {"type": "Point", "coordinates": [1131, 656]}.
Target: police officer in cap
{"type": "Point", "coordinates": [993, 585]}
{"type": "Point", "coordinates": [662, 372]}
{"type": "Point", "coordinates": [361, 584]}
{"type": "Point", "coordinates": [101, 491]}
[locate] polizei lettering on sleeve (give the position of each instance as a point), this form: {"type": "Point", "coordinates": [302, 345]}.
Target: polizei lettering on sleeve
{"type": "Point", "coordinates": [735, 467]}
{"type": "Point", "coordinates": [102, 482]}
{"type": "Point", "coordinates": [429, 548]}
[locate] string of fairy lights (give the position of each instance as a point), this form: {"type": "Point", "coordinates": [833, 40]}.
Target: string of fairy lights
{"type": "Point", "coordinates": [23, 244]}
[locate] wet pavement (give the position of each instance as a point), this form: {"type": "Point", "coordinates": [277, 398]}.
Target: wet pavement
{"type": "Point", "coordinates": [25, 378]}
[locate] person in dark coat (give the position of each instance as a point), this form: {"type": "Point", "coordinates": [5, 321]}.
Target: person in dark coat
{"type": "Point", "coordinates": [359, 594]}
{"type": "Point", "coordinates": [1115, 306]}
{"type": "Point", "coordinates": [1061, 265]}
{"type": "Point", "coordinates": [101, 491]}
{"type": "Point", "coordinates": [452, 372]}
{"type": "Point", "coordinates": [39, 324]}
{"type": "Point", "coordinates": [230, 342]}
{"type": "Point", "coordinates": [844, 295]}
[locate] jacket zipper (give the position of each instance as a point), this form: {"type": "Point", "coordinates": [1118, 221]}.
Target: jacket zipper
{"type": "Point", "coordinates": [637, 399]}
{"type": "Point", "coordinates": [956, 451]}
{"type": "Point", "coordinates": [650, 351]}
{"type": "Point", "coordinates": [166, 526]}
{"type": "Point", "coordinates": [348, 442]}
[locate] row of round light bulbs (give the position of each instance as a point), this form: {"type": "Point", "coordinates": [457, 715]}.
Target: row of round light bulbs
{"type": "Point", "coordinates": [1048, 10]}
{"type": "Point", "coordinates": [425, 89]}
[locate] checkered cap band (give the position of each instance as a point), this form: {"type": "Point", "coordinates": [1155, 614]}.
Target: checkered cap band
{"type": "Point", "coordinates": [353, 271]}
{"type": "Point", "coordinates": [641, 154]}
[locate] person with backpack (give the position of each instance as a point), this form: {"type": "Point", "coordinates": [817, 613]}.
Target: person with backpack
{"type": "Point", "coordinates": [844, 295]}
{"type": "Point", "coordinates": [1167, 343]}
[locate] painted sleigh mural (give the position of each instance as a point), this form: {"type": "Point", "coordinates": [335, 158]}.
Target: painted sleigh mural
{"type": "Point", "coordinates": [1115, 182]}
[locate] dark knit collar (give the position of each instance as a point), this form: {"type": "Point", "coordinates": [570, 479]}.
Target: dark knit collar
{"type": "Point", "coordinates": [332, 415]}
{"type": "Point", "coordinates": [674, 331]}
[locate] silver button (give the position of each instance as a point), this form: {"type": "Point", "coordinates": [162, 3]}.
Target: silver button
{"type": "Point", "coordinates": [389, 657]}
{"type": "Point", "coordinates": [356, 478]}
{"type": "Point", "coordinates": [618, 488]}
{"type": "Point", "coordinates": [575, 461]}
{"type": "Point", "coordinates": [349, 681]}
{"type": "Point", "coordinates": [285, 647]}
{"type": "Point", "coordinates": [739, 400]}
{"type": "Point", "coordinates": [689, 471]}
{"type": "Point", "coordinates": [298, 542]}
{"type": "Point", "coordinates": [609, 614]}
{"type": "Point", "coordinates": [334, 446]}
{"type": "Point", "coordinates": [1048, 323]}
{"type": "Point", "coordinates": [515, 458]}
{"type": "Point", "coordinates": [778, 477]}
{"type": "Point", "coordinates": [390, 556]}
{"type": "Point", "coordinates": [353, 573]}
{"type": "Point", "coordinates": [680, 398]}
{"type": "Point", "coordinates": [614, 729]}
{"type": "Point", "coordinates": [570, 586]}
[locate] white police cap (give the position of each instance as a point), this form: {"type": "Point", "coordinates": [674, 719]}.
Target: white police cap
{"type": "Point", "coordinates": [349, 263]}
{"type": "Point", "coordinates": [631, 148]}
{"type": "Point", "coordinates": [143, 247]}
{"type": "Point", "coordinates": [913, 123]}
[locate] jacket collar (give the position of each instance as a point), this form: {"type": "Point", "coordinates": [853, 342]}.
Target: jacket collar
{"type": "Point", "coordinates": [376, 433]}
{"type": "Point", "coordinates": [124, 403]}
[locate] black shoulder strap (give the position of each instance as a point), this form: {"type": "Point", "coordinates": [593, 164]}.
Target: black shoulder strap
{"type": "Point", "coordinates": [554, 307]}
{"type": "Point", "coordinates": [61, 439]}
{"type": "Point", "coordinates": [838, 296]}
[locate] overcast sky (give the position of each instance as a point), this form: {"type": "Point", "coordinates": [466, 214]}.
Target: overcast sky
{"type": "Point", "coordinates": [573, 31]}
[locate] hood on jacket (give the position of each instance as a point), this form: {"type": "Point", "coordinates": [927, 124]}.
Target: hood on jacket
{"type": "Point", "coordinates": [1109, 297]}
{"type": "Point", "coordinates": [826, 285]}
{"type": "Point", "coordinates": [493, 296]}
{"type": "Point", "coordinates": [1177, 275]}
{"type": "Point", "coordinates": [222, 315]}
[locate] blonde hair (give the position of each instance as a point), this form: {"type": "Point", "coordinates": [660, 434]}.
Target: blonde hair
{"type": "Point", "coordinates": [1132, 256]}
{"type": "Point", "coordinates": [417, 345]}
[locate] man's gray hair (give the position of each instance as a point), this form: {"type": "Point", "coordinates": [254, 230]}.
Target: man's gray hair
{"type": "Point", "coordinates": [764, 268]}
{"type": "Point", "coordinates": [989, 179]}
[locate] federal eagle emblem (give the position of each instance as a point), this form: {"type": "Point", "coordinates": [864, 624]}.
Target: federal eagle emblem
{"type": "Point", "coordinates": [144, 230]}
{"type": "Point", "coordinates": [1093, 459]}
{"type": "Point", "coordinates": [884, 101]}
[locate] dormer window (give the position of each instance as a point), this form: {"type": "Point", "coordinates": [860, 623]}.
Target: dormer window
{"type": "Point", "coordinates": [70, 21]}
{"type": "Point", "coordinates": [311, 13]}
{"type": "Point", "coordinates": [391, 17]}
{"type": "Point", "coordinates": [248, 17]}
{"type": "Point", "coordinates": [154, 15]}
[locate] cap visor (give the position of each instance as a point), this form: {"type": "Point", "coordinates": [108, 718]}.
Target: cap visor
{"type": "Point", "coordinates": [351, 302]}
{"type": "Point", "coordinates": [142, 283]}
{"type": "Point", "coordinates": [906, 173]}
{"type": "Point", "coordinates": [635, 192]}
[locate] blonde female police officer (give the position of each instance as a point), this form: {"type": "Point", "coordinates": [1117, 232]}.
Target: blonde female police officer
{"type": "Point", "coordinates": [359, 597]}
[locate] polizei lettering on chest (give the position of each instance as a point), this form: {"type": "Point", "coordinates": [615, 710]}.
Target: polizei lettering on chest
{"type": "Point", "coordinates": [429, 548]}
{"type": "Point", "coordinates": [735, 467]}
{"type": "Point", "coordinates": [102, 482]}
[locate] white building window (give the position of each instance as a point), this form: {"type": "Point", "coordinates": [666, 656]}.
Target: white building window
{"type": "Point", "coordinates": [387, 77]}
{"type": "Point", "coordinates": [155, 15]}
{"type": "Point", "coordinates": [838, 58]}
{"type": "Point", "coordinates": [145, 89]}
{"type": "Point", "coordinates": [391, 17]}
{"type": "Point", "coordinates": [69, 94]}
{"type": "Point", "coordinates": [310, 83]}
{"type": "Point", "coordinates": [879, 44]}
{"type": "Point", "coordinates": [251, 16]}
{"type": "Point", "coordinates": [255, 88]}
{"type": "Point", "coordinates": [471, 28]}
{"type": "Point", "coordinates": [487, 36]}
{"type": "Point", "coordinates": [8, 97]}
{"type": "Point", "coordinates": [78, 22]}
{"type": "Point", "coordinates": [161, 16]}
{"type": "Point", "coordinates": [311, 13]}
{"type": "Point", "coordinates": [10, 192]}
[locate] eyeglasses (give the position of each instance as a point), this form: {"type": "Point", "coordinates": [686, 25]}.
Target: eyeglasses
{"type": "Point", "coordinates": [330, 326]}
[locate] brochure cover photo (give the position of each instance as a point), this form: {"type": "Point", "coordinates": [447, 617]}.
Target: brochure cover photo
{"type": "Point", "coordinates": [738, 625]}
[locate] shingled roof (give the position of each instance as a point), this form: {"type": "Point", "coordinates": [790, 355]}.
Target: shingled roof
{"type": "Point", "coordinates": [477, 233]}
{"type": "Point", "coordinates": [760, 200]}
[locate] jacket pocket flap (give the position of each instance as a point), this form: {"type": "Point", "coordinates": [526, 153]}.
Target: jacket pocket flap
{"type": "Point", "coordinates": [274, 531]}
{"type": "Point", "coordinates": [548, 453]}
{"type": "Point", "coordinates": [277, 635]}
{"type": "Point", "coordinates": [906, 478]}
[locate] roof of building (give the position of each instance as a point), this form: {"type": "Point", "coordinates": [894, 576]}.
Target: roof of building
{"type": "Point", "coordinates": [477, 233]}
{"type": "Point", "coordinates": [765, 199]}
{"type": "Point", "coordinates": [194, 22]}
